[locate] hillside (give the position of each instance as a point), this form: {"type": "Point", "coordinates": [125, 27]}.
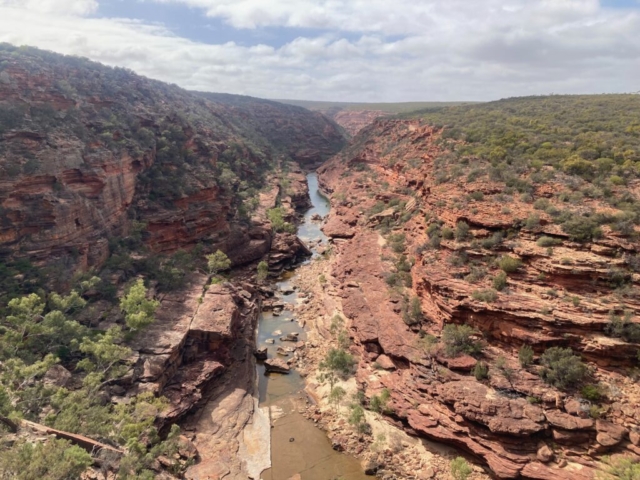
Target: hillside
{"type": "Point", "coordinates": [122, 201]}
{"type": "Point", "coordinates": [486, 257]}
{"type": "Point", "coordinates": [87, 148]}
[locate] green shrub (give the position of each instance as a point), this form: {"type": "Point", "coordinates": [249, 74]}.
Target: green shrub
{"type": "Point", "coordinates": [581, 228]}
{"type": "Point", "coordinates": [622, 468]}
{"type": "Point", "coordinates": [52, 459]}
{"type": "Point", "coordinates": [217, 262]}
{"type": "Point", "coordinates": [594, 393]}
{"type": "Point", "coordinates": [500, 281]}
{"type": "Point", "coordinates": [457, 340]}
{"type": "Point", "coordinates": [462, 231]}
{"type": "Point", "coordinates": [378, 403]}
{"type": "Point", "coordinates": [413, 313]}
{"type": "Point", "coordinates": [487, 295]}
{"type": "Point", "coordinates": [276, 217]}
{"type": "Point", "coordinates": [623, 327]}
{"type": "Point", "coordinates": [532, 222]}
{"type": "Point", "coordinates": [541, 204]}
{"type": "Point", "coordinates": [263, 271]}
{"type": "Point", "coordinates": [561, 368]}
{"type": "Point", "coordinates": [509, 264]}
{"type": "Point", "coordinates": [481, 371]}
{"type": "Point", "coordinates": [447, 233]}
{"type": "Point", "coordinates": [545, 241]}
{"type": "Point", "coordinates": [397, 242]}
{"type": "Point", "coordinates": [476, 274]}
{"type": "Point", "coordinates": [460, 469]}
{"type": "Point", "coordinates": [525, 356]}
{"type": "Point", "coordinates": [492, 241]}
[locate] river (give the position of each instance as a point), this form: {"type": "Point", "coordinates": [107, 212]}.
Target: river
{"type": "Point", "coordinates": [297, 445]}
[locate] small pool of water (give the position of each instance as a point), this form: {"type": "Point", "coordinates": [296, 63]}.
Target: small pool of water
{"type": "Point", "coordinates": [297, 445]}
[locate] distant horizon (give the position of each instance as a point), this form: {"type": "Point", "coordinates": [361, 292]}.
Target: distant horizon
{"type": "Point", "coordinates": [348, 51]}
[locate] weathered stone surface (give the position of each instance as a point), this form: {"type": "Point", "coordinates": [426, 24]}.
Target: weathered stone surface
{"type": "Point", "coordinates": [385, 362]}
{"type": "Point", "coordinates": [57, 376]}
{"type": "Point", "coordinates": [544, 454]}
{"type": "Point", "coordinates": [609, 434]}
{"type": "Point", "coordinates": [568, 422]}
{"type": "Point", "coordinates": [276, 365]}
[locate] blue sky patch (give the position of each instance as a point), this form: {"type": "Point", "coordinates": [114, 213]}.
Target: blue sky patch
{"type": "Point", "coordinates": [192, 23]}
{"type": "Point", "coordinates": [620, 3]}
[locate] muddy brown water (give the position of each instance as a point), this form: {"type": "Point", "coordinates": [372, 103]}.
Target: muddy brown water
{"type": "Point", "coordinates": [297, 445]}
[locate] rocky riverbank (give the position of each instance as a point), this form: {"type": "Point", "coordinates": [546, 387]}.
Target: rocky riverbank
{"type": "Point", "coordinates": [387, 451]}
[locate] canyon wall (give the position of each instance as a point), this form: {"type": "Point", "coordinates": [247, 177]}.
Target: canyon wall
{"type": "Point", "coordinates": [87, 152]}
{"type": "Point", "coordinates": [418, 241]}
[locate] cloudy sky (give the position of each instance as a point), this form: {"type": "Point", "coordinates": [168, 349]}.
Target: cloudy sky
{"type": "Point", "coordinates": [349, 50]}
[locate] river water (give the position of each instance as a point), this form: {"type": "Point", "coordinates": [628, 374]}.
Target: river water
{"type": "Point", "coordinates": [297, 445]}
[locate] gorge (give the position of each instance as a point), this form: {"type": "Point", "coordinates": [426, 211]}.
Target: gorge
{"type": "Point", "coordinates": [466, 291]}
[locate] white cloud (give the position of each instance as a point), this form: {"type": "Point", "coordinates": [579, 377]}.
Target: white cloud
{"type": "Point", "coordinates": [396, 51]}
{"type": "Point", "coordinates": [71, 7]}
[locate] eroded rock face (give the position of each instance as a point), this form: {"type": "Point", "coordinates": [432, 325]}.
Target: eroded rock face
{"type": "Point", "coordinates": [85, 148]}
{"type": "Point", "coordinates": [190, 343]}
{"type": "Point", "coordinates": [511, 419]}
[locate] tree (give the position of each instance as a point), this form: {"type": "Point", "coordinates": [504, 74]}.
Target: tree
{"type": "Point", "coordinates": [105, 354]}
{"type": "Point", "coordinates": [337, 363]}
{"type": "Point", "coordinates": [216, 262]}
{"type": "Point", "coordinates": [263, 271]}
{"type": "Point", "coordinates": [357, 419]}
{"type": "Point", "coordinates": [460, 469]}
{"type": "Point", "coordinates": [457, 340]}
{"type": "Point", "coordinates": [139, 311]}
{"type": "Point", "coordinates": [53, 460]}
{"type": "Point", "coordinates": [336, 395]}
{"type": "Point", "coordinates": [276, 217]}
{"type": "Point", "coordinates": [561, 368]}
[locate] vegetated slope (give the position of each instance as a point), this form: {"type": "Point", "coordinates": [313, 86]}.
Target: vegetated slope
{"type": "Point", "coordinates": [512, 267]}
{"type": "Point", "coordinates": [87, 148]}
{"type": "Point", "coordinates": [353, 117]}
{"type": "Point", "coordinates": [307, 137]}
{"type": "Point", "coordinates": [113, 323]}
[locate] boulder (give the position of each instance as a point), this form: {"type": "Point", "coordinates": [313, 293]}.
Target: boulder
{"type": "Point", "coordinates": [57, 376]}
{"type": "Point", "coordinates": [261, 353]}
{"type": "Point", "coordinates": [290, 337]}
{"type": "Point", "coordinates": [463, 363]}
{"type": "Point", "coordinates": [566, 421]}
{"type": "Point", "coordinates": [385, 362]}
{"type": "Point", "coordinates": [277, 365]}
{"type": "Point", "coordinates": [544, 454]}
{"type": "Point", "coordinates": [609, 434]}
